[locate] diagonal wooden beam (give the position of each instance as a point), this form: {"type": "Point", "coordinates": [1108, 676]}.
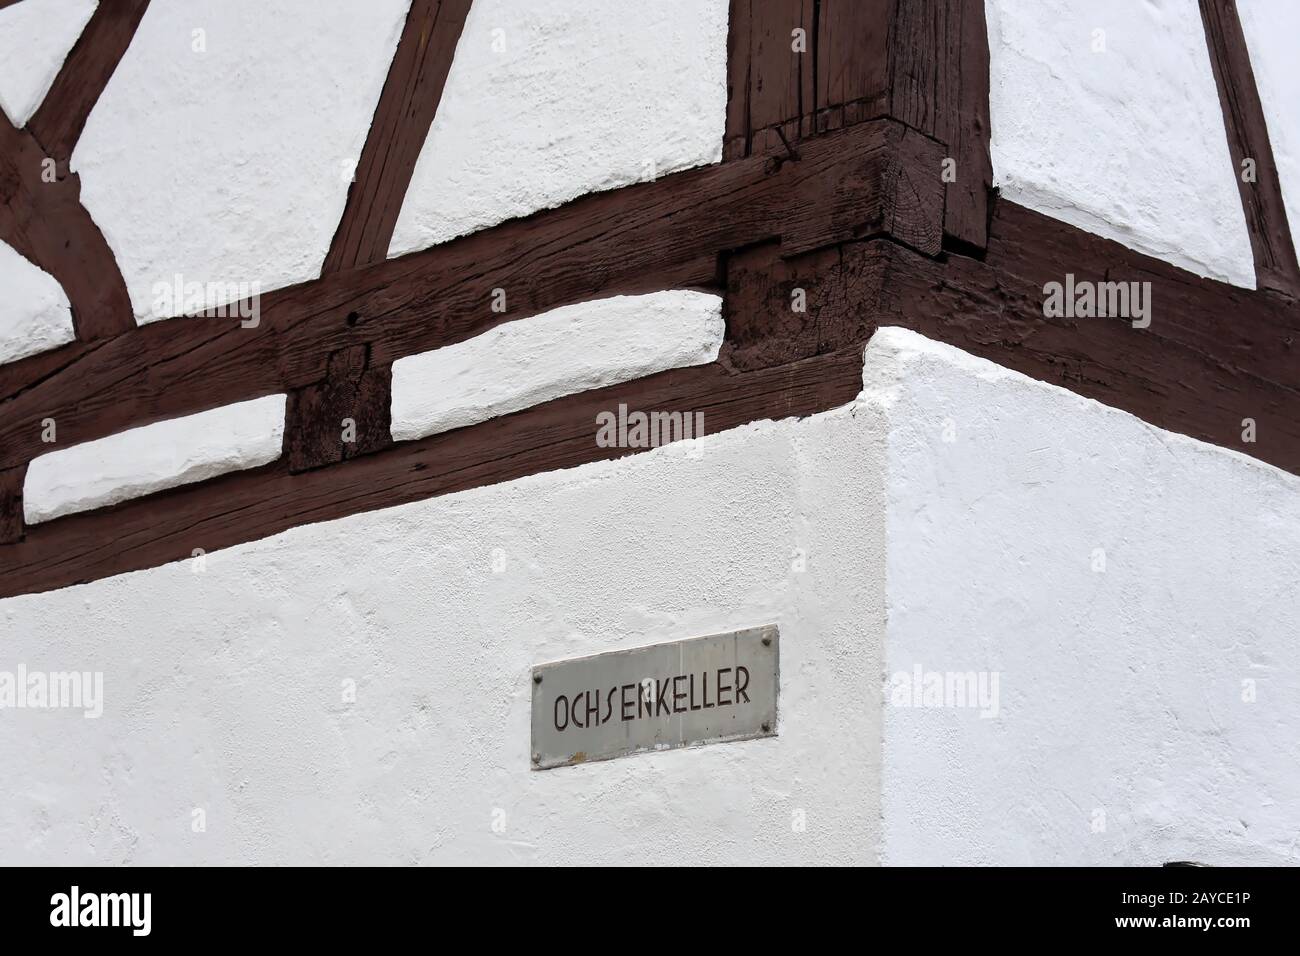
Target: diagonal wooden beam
{"type": "Point", "coordinates": [42, 217]}
{"type": "Point", "coordinates": [1243, 118]}
{"type": "Point", "coordinates": [40, 199]}
{"type": "Point", "coordinates": [401, 123]}
{"type": "Point", "coordinates": [58, 122]}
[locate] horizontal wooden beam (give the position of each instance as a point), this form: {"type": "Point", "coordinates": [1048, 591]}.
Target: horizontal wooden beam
{"type": "Point", "coordinates": [1189, 371]}
{"type": "Point", "coordinates": [1211, 357]}
{"type": "Point", "coordinates": [235, 508]}
{"type": "Point", "coordinates": [872, 180]}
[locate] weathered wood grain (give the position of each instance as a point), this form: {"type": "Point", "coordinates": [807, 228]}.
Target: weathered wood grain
{"type": "Point", "coordinates": [1243, 119]}
{"type": "Point", "coordinates": [11, 503]}
{"type": "Point", "coordinates": [924, 63]}
{"type": "Point", "coordinates": [58, 122]}
{"type": "Point", "coordinates": [41, 216]}
{"type": "Point", "coordinates": [873, 179]}
{"type": "Point", "coordinates": [353, 399]}
{"type": "Point", "coordinates": [254, 504]}
{"type": "Point", "coordinates": [401, 123]}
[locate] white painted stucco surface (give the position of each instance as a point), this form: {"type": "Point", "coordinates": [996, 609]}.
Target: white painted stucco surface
{"type": "Point", "coordinates": [1271, 28]}
{"type": "Point", "coordinates": [1120, 691]}
{"type": "Point", "coordinates": [34, 312]}
{"type": "Point", "coordinates": [154, 457]}
{"type": "Point", "coordinates": [35, 38]}
{"type": "Point", "coordinates": [223, 688]}
{"type": "Point", "coordinates": [232, 164]}
{"type": "Point", "coordinates": [571, 349]}
{"type": "Point", "coordinates": [550, 99]}
{"type": "Point", "coordinates": [1128, 143]}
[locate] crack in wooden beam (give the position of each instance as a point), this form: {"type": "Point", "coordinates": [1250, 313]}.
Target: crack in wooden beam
{"type": "Point", "coordinates": [873, 179]}
{"type": "Point", "coordinates": [939, 84]}
{"type": "Point", "coordinates": [1247, 131]}
{"type": "Point", "coordinates": [800, 68]}
{"type": "Point", "coordinates": [401, 123]}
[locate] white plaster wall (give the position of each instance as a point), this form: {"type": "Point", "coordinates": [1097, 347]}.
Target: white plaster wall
{"type": "Point", "coordinates": [1120, 691]}
{"type": "Point", "coordinates": [571, 349]}
{"type": "Point", "coordinates": [1128, 143]}
{"type": "Point", "coordinates": [232, 164]}
{"type": "Point", "coordinates": [166, 454]}
{"type": "Point", "coordinates": [222, 689]}
{"type": "Point", "coordinates": [35, 38]}
{"type": "Point", "coordinates": [550, 99]}
{"type": "Point", "coordinates": [1271, 28]}
{"type": "Point", "coordinates": [34, 312]}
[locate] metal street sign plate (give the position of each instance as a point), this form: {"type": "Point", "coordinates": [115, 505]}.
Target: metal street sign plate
{"type": "Point", "coordinates": [699, 691]}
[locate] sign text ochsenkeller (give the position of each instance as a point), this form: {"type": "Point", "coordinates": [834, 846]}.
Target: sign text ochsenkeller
{"type": "Point", "coordinates": [703, 690]}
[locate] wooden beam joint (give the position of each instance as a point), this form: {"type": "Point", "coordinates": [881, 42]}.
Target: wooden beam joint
{"type": "Point", "coordinates": [341, 417]}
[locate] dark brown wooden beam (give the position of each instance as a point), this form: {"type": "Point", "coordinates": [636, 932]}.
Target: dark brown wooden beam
{"type": "Point", "coordinates": [1213, 355]}
{"type": "Point", "coordinates": [560, 434]}
{"type": "Point", "coordinates": [1243, 118]}
{"type": "Point", "coordinates": [924, 63]}
{"type": "Point", "coordinates": [345, 415]}
{"type": "Point", "coordinates": [783, 87]}
{"type": "Point", "coordinates": [401, 123]}
{"type": "Point", "coordinates": [58, 122]}
{"type": "Point", "coordinates": [939, 84]}
{"type": "Point", "coordinates": [41, 216]}
{"type": "Point", "coordinates": [11, 503]}
{"type": "Point", "coordinates": [1190, 371]}
{"type": "Point", "coordinates": [873, 179]}
{"type": "Point", "coordinates": [846, 208]}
